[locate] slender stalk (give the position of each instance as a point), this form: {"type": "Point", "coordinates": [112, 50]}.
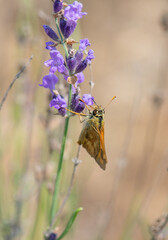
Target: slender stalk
{"type": "Point", "coordinates": [58, 177]}
{"type": "Point", "coordinates": [76, 163]}
{"type": "Point", "coordinates": [13, 81]}
{"type": "Point", "coordinates": [57, 182]}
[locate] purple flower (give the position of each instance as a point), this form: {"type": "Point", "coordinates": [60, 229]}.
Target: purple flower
{"type": "Point", "coordinates": [90, 56]}
{"type": "Point", "coordinates": [53, 236]}
{"type": "Point", "coordinates": [80, 77]}
{"type": "Point", "coordinates": [88, 99]}
{"type": "Point", "coordinates": [83, 44]}
{"type": "Point", "coordinates": [49, 81]}
{"type": "Point", "coordinates": [50, 45]}
{"type": "Point", "coordinates": [67, 27]}
{"type": "Point", "coordinates": [50, 32]}
{"type": "Point", "coordinates": [63, 70]}
{"type": "Point", "coordinates": [55, 62]}
{"type": "Point", "coordinates": [73, 11]}
{"type": "Point", "coordinates": [57, 6]}
{"type": "Point", "coordinates": [59, 103]}
{"type": "Point", "coordinates": [57, 57]}
{"type": "Point", "coordinates": [82, 65]}
{"type": "Point", "coordinates": [76, 104]}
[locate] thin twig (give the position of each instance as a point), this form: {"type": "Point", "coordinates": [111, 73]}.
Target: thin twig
{"type": "Point", "coordinates": [123, 161]}
{"type": "Point", "coordinates": [76, 162]}
{"type": "Point", "coordinates": [13, 81]}
{"type": "Point", "coordinates": [91, 83]}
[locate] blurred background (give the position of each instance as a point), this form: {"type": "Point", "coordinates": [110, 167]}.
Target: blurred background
{"type": "Point", "coordinates": [130, 41]}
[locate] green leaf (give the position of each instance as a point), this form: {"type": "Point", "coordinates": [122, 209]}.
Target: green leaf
{"type": "Point", "coordinates": [70, 222]}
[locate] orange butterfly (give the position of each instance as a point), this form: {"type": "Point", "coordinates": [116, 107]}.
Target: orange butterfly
{"type": "Point", "coordinates": [92, 135]}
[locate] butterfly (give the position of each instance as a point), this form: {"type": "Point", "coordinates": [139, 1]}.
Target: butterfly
{"type": "Point", "coordinates": [92, 135]}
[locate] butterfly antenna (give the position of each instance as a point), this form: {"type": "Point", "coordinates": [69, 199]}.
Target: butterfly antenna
{"type": "Point", "coordinates": [110, 102]}
{"type": "Point", "coordinates": [95, 103]}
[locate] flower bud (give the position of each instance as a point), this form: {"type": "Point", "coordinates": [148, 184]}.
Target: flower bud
{"type": "Point", "coordinates": [82, 65]}
{"type": "Point", "coordinates": [71, 63]}
{"type": "Point", "coordinates": [57, 6]}
{"type": "Point", "coordinates": [50, 32]}
{"type": "Point", "coordinates": [67, 27]}
{"type": "Point", "coordinates": [76, 104]}
{"type": "Point", "coordinates": [78, 56]}
{"type": "Point", "coordinates": [53, 236]}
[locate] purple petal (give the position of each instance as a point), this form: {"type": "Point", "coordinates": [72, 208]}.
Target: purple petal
{"type": "Point", "coordinates": [49, 46]}
{"type": "Point", "coordinates": [80, 77]}
{"type": "Point", "coordinates": [90, 56]}
{"type": "Point", "coordinates": [73, 11]}
{"type": "Point", "coordinates": [53, 69]}
{"type": "Point", "coordinates": [88, 99]}
{"type": "Point", "coordinates": [78, 56]}
{"type": "Point", "coordinates": [62, 111]}
{"type": "Point", "coordinates": [48, 63]}
{"type": "Point", "coordinates": [83, 44]}
{"type": "Point", "coordinates": [57, 57]}
{"type": "Point", "coordinates": [73, 89]}
{"type": "Point", "coordinates": [49, 81]}
{"type": "Point", "coordinates": [65, 77]}
{"type": "Point", "coordinates": [59, 103]}
{"type": "Point", "coordinates": [62, 69]}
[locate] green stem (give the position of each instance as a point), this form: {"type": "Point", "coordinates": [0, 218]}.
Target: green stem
{"type": "Point", "coordinates": [58, 177]}
{"type": "Point", "coordinates": [57, 182]}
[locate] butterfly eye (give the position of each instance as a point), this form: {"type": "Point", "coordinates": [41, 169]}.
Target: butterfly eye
{"type": "Point", "coordinates": [94, 112]}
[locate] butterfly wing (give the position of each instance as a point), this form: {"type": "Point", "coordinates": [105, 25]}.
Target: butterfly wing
{"type": "Point", "coordinates": [101, 158]}
{"type": "Point", "coordinates": [92, 139]}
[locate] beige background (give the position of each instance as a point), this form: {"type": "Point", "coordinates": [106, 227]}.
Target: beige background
{"type": "Point", "coordinates": [131, 62]}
